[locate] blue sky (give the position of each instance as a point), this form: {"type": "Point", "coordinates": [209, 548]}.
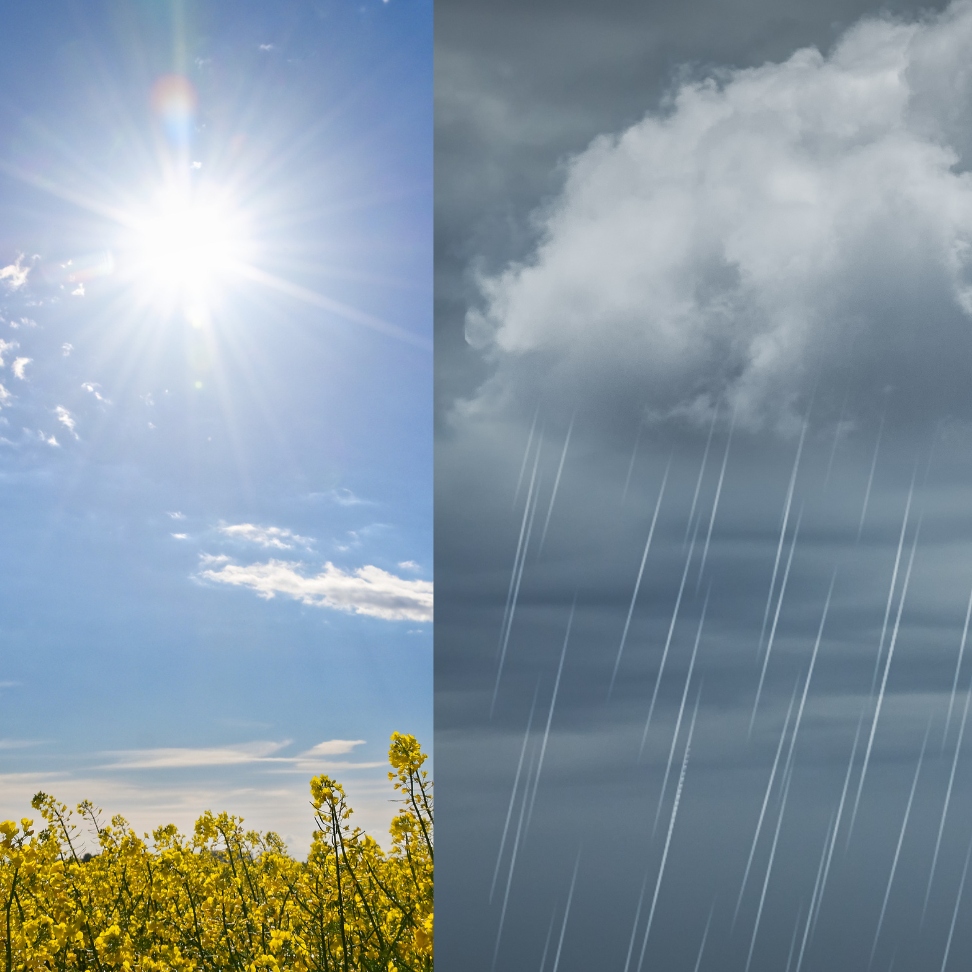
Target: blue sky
{"type": "Point", "coordinates": [215, 432]}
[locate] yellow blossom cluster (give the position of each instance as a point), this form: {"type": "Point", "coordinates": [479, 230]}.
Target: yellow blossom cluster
{"type": "Point", "coordinates": [225, 898]}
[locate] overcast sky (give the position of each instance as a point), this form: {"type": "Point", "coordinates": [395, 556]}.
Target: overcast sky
{"type": "Point", "coordinates": [215, 410]}
{"type": "Point", "coordinates": [703, 334]}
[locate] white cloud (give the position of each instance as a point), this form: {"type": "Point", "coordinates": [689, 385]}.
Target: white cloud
{"type": "Point", "coordinates": [267, 753]}
{"type": "Point", "coordinates": [5, 396]}
{"type": "Point", "coordinates": [409, 565]}
{"type": "Point", "coordinates": [343, 497]}
{"type": "Point", "coordinates": [15, 275]}
{"type": "Point", "coordinates": [771, 224]}
{"type": "Point", "coordinates": [95, 389]}
{"type": "Point", "coordinates": [266, 47]}
{"type": "Point", "coordinates": [333, 747]}
{"type": "Point", "coordinates": [19, 365]}
{"type": "Point", "coordinates": [66, 419]}
{"type": "Point", "coordinates": [66, 349]}
{"type": "Point", "coordinates": [78, 291]}
{"type": "Point", "coordinates": [180, 795]}
{"type": "Point", "coordinates": [176, 515]}
{"type": "Point", "coordinates": [179, 758]}
{"type": "Point", "coordinates": [179, 536]}
{"type": "Point", "coordinates": [6, 346]}
{"type": "Point", "coordinates": [207, 560]}
{"type": "Point", "coordinates": [368, 590]}
{"type": "Point", "coordinates": [278, 538]}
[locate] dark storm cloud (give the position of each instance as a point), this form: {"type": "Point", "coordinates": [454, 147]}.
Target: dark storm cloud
{"type": "Point", "coordinates": [678, 260]}
{"type": "Point", "coordinates": [775, 226]}
{"type": "Point", "coordinates": [519, 86]}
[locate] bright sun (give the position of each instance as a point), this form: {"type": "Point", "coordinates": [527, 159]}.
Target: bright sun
{"type": "Point", "coordinates": [183, 249]}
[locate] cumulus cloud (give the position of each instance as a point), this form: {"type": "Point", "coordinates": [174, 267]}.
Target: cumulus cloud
{"type": "Point", "coordinates": [367, 590]}
{"type": "Point", "coordinates": [278, 538]}
{"type": "Point", "coordinates": [18, 367]}
{"type": "Point", "coordinates": [409, 565]}
{"type": "Point", "coordinates": [15, 274]}
{"type": "Point", "coordinates": [772, 226]}
{"type": "Point", "coordinates": [66, 419]}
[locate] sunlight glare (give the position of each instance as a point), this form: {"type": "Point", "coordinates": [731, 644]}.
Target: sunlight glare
{"type": "Point", "coordinates": [183, 249]}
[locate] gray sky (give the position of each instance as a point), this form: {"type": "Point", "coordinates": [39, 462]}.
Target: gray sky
{"type": "Point", "coordinates": [732, 243]}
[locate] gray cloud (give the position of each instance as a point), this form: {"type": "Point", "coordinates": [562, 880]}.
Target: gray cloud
{"type": "Point", "coordinates": [775, 225]}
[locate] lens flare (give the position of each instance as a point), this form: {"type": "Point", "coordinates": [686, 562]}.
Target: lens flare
{"type": "Point", "coordinates": [174, 102]}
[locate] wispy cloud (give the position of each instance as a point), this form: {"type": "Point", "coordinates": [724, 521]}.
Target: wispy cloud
{"type": "Point", "coordinates": [176, 515]}
{"type": "Point", "coordinates": [185, 757]}
{"type": "Point", "coordinates": [6, 346]}
{"type": "Point", "coordinates": [180, 536]}
{"type": "Point", "coordinates": [66, 419]}
{"type": "Point", "coordinates": [342, 496]}
{"type": "Point", "coordinates": [19, 743]}
{"type": "Point", "coordinates": [18, 367]}
{"type": "Point", "coordinates": [95, 389]}
{"type": "Point", "coordinates": [278, 538]}
{"type": "Point", "coordinates": [153, 786]}
{"type": "Point", "coordinates": [5, 396]}
{"type": "Point", "coordinates": [409, 565]}
{"type": "Point", "coordinates": [333, 747]}
{"type": "Point", "coordinates": [262, 751]}
{"type": "Point", "coordinates": [66, 349]}
{"type": "Point", "coordinates": [367, 590]}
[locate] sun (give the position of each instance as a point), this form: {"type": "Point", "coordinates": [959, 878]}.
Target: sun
{"type": "Point", "coordinates": [182, 249]}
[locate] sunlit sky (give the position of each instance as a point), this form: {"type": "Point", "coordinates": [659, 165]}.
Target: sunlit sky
{"type": "Point", "coordinates": [215, 404]}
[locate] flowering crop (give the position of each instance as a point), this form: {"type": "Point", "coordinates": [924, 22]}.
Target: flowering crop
{"type": "Point", "coordinates": [225, 898]}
